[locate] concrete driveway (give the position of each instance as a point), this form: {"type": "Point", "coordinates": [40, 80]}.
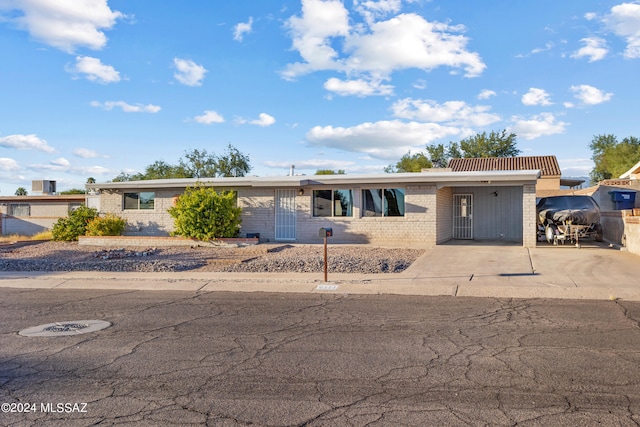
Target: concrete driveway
{"type": "Point", "coordinates": [471, 268]}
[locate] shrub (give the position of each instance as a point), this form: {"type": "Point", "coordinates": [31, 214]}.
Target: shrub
{"type": "Point", "coordinates": [204, 214]}
{"type": "Point", "coordinates": [108, 225]}
{"type": "Point", "coordinates": [68, 229]}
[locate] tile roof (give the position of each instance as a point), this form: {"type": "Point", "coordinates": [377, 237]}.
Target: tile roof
{"type": "Point", "coordinates": [548, 165]}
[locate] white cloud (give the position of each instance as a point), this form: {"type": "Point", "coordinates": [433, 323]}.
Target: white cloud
{"type": "Point", "coordinates": [85, 153]}
{"type": "Point", "coordinates": [188, 72]}
{"type": "Point", "coordinates": [127, 108]}
{"type": "Point", "coordinates": [450, 112]}
{"type": "Point", "coordinates": [311, 35]}
{"type": "Point", "coordinates": [241, 29]}
{"type": "Point", "coordinates": [540, 125]}
{"type": "Point", "coordinates": [94, 70]}
{"type": "Point", "coordinates": [61, 161]}
{"type": "Point", "coordinates": [420, 84]}
{"type": "Point", "coordinates": [209, 117]}
{"type": "Point", "coordinates": [311, 164]}
{"type": "Point", "coordinates": [486, 94]}
{"type": "Point", "coordinates": [590, 95]}
{"type": "Point", "coordinates": [25, 142]}
{"type": "Point", "coordinates": [263, 120]}
{"type": "Point", "coordinates": [374, 50]}
{"type": "Point", "coordinates": [624, 21]}
{"type": "Point", "coordinates": [595, 48]}
{"type": "Point", "coordinates": [8, 165]}
{"type": "Point", "coordinates": [358, 87]}
{"type": "Point", "coordinates": [384, 139]}
{"type": "Point", "coordinates": [536, 96]}
{"type": "Point", "coordinates": [64, 24]}
{"type": "Point", "coordinates": [590, 16]}
{"type": "Point", "coordinates": [410, 41]}
{"type": "Point", "coordinates": [548, 46]}
{"type": "Point", "coordinates": [63, 165]}
{"type": "Point", "coordinates": [372, 9]}
{"type": "Point", "coordinates": [575, 167]}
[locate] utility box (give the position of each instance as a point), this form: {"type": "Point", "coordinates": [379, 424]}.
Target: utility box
{"type": "Point", "coordinates": [623, 199]}
{"type": "Point", "coordinates": [43, 187]}
{"type": "Point", "coordinates": [326, 232]}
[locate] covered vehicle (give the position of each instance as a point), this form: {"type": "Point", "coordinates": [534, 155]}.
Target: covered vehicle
{"type": "Point", "coordinates": [562, 218]}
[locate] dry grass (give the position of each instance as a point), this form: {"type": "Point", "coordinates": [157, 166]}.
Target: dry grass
{"type": "Point", "coordinates": [44, 235]}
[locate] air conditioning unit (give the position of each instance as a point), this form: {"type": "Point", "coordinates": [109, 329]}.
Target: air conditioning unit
{"type": "Point", "coordinates": [43, 187]}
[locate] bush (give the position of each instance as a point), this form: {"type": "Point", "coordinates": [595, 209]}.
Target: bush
{"type": "Point", "coordinates": [108, 225]}
{"type": "Point", "coordinates": [68, 229]}
{"type": "Point", "coordinates": [204, 214]}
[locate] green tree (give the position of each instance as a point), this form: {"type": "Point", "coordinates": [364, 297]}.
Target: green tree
{"type": "Point", "coordinates": [75, 225]}
{"type": "Point", "coordinates": [496, 144]}
{"type": "Point", "coordinates": [21, 191]}
{"type": "Point", "coordinates": [73, 191]}
{"type": "Point", "coordinates": [204, 214]}
{"type": "Point", "coordinates": [330, 172]}
{"type": "Point", "coordinates": [199, 164]}
{"type": "Point", "coordinates": [410, 163]}
{"type": "Point", "coordinates": [613, 158]}
{"type": "Point", "coordinates": [163, 170]}
{"type": "Point", "coordinates": [195, 164]}
{"type": "Point", "coordinates": [232, 163]}
{"type": "Point", "coordinates": [91, 180]}
{"type": "Point", "coordinates": [123, 177]}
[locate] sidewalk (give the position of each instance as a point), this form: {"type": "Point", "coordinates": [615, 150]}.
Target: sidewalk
{"type": "Point", "coordinates": [593, 272]}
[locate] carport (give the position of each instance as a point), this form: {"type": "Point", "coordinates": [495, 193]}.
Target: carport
{"type": "Point", "coordinates": [499, 208]}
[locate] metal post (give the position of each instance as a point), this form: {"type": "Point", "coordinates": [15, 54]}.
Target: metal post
{"type": "Point", "coordinates": [325, 258]}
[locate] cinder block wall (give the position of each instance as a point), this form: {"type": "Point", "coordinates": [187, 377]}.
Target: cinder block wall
{"type": "Point", "coordinates": [444, 197]}
{"type": "Point", "coordinates": [417, 227]}
{"type": "Point", "coordinates": [156, 222]}
{"type": "Point", "coordinates": [258, 212]}
{"type": "Point", "coordinates": [42, 217]}
{"type": "Point", "coordinates": [529, 222]}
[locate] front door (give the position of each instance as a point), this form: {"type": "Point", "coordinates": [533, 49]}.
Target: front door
{"type": "Point", "coordinates": [286, 215]}
{"type": "Point", "coordinates": [463, 216]}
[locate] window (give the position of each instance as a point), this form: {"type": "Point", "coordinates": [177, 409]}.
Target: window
{"type": "Point", "coordinates": [383, 202]}
{"type": "Point", "coordinates": [19, 209]}
{"type": "Point", "coordinates": [142, 200]}
{"type": "Point", "coordinates": [332, 203]}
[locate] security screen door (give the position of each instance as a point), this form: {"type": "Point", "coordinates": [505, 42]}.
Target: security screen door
{"type": "Point", "coordinates": [463, 216]}
{"type": "Point", "coordinates": [285, 214]}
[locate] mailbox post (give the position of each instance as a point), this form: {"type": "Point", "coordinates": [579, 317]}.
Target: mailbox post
{"type": "Point", "coordinates": [325, 232]}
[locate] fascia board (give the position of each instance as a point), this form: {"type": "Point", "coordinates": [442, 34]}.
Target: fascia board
{"type": "Point", "coordinates": [481, 178]}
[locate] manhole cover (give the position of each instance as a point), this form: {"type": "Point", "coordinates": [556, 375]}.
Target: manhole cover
{"type": "Point", "coordinates": [74, 327]}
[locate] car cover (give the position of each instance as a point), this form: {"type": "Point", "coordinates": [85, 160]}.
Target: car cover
{"type": "Point", "coordinates": [580, 210]}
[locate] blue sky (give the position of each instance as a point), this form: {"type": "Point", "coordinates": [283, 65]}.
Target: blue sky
{"type": "Point", "coordinates": [92, 88]}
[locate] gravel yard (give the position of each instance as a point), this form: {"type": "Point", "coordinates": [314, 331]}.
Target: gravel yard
{"type": "Point", "coordinates": [64, 256]}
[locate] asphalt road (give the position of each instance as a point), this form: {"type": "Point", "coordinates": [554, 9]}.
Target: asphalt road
{"type": "Point", "coordinates": [184, 358]}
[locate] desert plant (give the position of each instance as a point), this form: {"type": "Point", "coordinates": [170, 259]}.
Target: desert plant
{"type": "Point", "coordinates": [43, 235]}
{"type": "Point", "coordinates": [108, 225]}
{"type": "Point", "coordinates": [204, 214]}
{"type": "Point", "coordinates": [68, 229]}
